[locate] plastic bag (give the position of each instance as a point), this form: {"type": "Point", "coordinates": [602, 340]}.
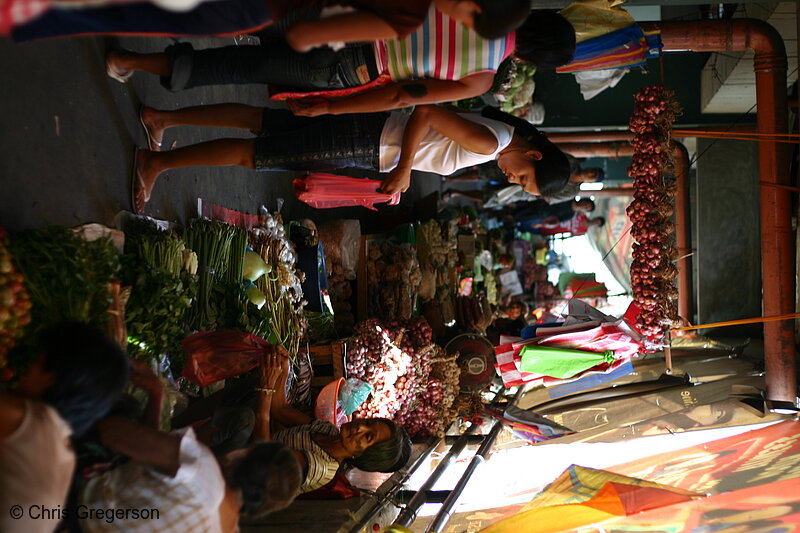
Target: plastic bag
{"type": "Point", "coordinates": [326, 191]}
{"type": "Point", "coordinates": [593, 18]}
{"type": "Point", "coordinates": [352, 394]}
{"type": "Point", "coordinates": [341, 240]}
{"type": "Point", "coordinates": [215, 355]}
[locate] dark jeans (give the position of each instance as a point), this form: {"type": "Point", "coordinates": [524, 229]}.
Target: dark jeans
{"type": "Point", "coordinates": [275, 63]}
{"type": "Point", "coordinates": [327, 142]}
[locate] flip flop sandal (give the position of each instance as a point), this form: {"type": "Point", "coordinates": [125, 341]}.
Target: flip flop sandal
{"type": "Point", "coordinates": [137, 180]}
{"type": "Point", "coordinates": [113, 74]}
{"type": "Point", "coordinates": [151, 142]}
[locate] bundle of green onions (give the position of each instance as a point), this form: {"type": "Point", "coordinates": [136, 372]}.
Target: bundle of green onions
{"type": "Point", "coordinates": [211, 240]}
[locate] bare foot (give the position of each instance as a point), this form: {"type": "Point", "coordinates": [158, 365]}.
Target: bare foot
{"type": "Point", "coordinates": [115, 69]}
{"type": "Point", "coordinates": [153, 126]}
{"type": "Point", "coordinates": [146, 174]}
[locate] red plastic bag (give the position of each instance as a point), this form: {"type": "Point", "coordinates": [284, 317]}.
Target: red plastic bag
{"type": "Point", "coordinates": [215, 355]}
{"type": "Point", "coordinates": [325, 191]}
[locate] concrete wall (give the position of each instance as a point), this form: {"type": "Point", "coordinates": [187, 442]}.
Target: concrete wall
{"type": "Point", "coordinates": [728, 244]}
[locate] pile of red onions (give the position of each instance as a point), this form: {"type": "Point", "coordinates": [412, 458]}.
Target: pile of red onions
{"type": "Point", "coordinates": [409, 386]}
{"type": "Point", "coordinates": [653, 271]}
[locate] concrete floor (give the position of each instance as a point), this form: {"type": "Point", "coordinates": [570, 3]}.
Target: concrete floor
{"type": "Point", "coordinates": [69, 134]}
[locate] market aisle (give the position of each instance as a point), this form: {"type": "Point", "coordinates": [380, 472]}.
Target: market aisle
{"type": "Point", "coordinates": [69, 132]}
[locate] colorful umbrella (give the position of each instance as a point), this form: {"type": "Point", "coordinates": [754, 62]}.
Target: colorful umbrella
{"type": "Point", "coordinates": [585, 496]}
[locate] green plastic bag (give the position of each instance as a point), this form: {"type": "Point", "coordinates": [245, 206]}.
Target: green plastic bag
{"type": "Point", "coordinates": [561, 363]}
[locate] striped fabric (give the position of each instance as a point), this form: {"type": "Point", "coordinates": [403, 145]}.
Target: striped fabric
{"type": "Point", "coordinates": [442, 49]}
{"type": "Point", "coordinates": [321, 465]}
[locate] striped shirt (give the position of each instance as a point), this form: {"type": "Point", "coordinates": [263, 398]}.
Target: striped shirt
{"type": "Point", "coordinates": [322, 466]}
{"type": "Point", "coordinates": [441, 49]}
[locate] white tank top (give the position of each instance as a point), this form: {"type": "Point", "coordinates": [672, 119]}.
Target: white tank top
{"type": "Point", "coordinates": [436, 152]}
{"type": "Point", "coordinates": [36, 466]}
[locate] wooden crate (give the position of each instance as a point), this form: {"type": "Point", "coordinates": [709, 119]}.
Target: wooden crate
{"type": "Point", "coordinates": [328, 363]}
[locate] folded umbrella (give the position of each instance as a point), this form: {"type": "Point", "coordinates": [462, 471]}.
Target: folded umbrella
{"type": "Point", "coordinates": [560, 362]}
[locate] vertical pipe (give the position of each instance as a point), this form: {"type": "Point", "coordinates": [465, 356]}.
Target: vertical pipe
{"type": "Point", "coordinates": [777, 243]}
{"type": "Point", "coordinates": [682, 231]}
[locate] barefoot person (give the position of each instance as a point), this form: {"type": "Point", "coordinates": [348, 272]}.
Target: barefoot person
{"type": "Point", "coordinates": [431, 139]}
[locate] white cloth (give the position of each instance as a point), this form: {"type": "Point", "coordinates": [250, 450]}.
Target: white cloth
{"type": "Point", "coordinates": [36, 466]}
{"type": "Point", "coordinates": [508, 195]}
{"type": "Point", "coordinates": [186, 503]}
{"type": "Point", "coordinates": [436, 152]}
{"type": "Point", "coordinates": [593, 82]}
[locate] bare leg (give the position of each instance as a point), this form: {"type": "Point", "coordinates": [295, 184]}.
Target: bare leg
{"type": "Point", "coordinates": [123, 62]}
{"type": "Point", "coordinates": [223, 116]}
{"type": "Point", "coordinates": [219, 153]}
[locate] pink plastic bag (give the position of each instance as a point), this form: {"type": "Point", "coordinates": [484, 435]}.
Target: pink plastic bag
{"type": "Point", "coordinates": [215, 355]}
{"type": "Point", "coordinates": [326, 191]}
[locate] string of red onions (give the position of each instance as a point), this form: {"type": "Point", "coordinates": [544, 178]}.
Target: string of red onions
{"type": "Point", "coordinates": [653, 270]}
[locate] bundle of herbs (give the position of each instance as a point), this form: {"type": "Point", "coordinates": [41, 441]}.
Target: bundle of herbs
{"type": "Point", "coordinates": [211, 240]}
{"type": "Point", "coordinates": [160, 271]}
{"type": "Point", "coordinates": [234, 309]}
{"type": "Point", "coordinates": [67, 277]}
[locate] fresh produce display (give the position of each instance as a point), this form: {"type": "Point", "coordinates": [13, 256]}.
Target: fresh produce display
{"type": "Point", "coordinates": [438, 256]}
{"type": "Point", "coordinates": [67, 277]}
{"type": "Point", "coordinates": [281, 286]}
{"type": "Point", "coordinates": [341, 293]}
{"type": "Point", "coordinates": [15, 305]}
{"type": "Point", "coordinates": [653, 270]}
{"type": "Point", "coordinates": [515, 92]}
{"type": "Point", "coordinates": [474, 312]}
{"type": "Point", "coordinates": [394, 277]}
{"type": "Point", "coordinates": [161, 274]}
{"type": "Point", "coordinates": [211, 241]}
{"type": "Point", "coordinates": [414, 381]}
{"type": "Point", "coordinates": [513, 88]}
{"type": "Point", "coordinates": [341, 242]}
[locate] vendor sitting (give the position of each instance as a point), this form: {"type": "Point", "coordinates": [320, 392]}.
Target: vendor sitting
{"type": "Point", "coordinates": [373, 444]}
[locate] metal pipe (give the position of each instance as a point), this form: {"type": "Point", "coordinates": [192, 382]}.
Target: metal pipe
{"type": "Point", "coordinates": [560, 137]}
{"type": "Point", "coordinates": [682, 232]}
{"type": "Point", "coordinates": [598, 149]}
{"type": "Point", "coordinates": [409, 513]}
{"type": "Point", "coordinates": [378, 505]}
{"type": "Point", "coordinates": [777, 238]}
{"type": "Point", "coordinates": [444, 514]}
{"type": "Point", "coordinates": [607, 193]}
{"type": "Point", "coordinates": [588, 136]}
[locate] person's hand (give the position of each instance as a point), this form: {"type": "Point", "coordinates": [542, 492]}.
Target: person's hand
{"type": "Point", "coordinates": [143, 377]}
{"type": "Point", "coordinates": [398, 180]}
{"type": "Point", "coordinates": [309, 108]}
{"type": "Point", "coordinates": [272, 368]}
